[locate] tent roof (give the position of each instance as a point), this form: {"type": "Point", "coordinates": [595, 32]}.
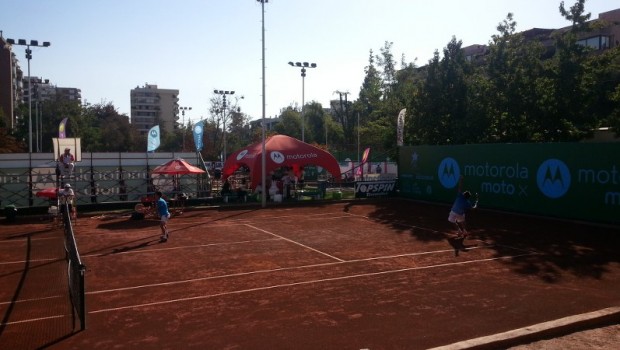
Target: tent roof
{"type": "Point", "coordinates": [281, 151]}
{"type": "Point", "coordinates": [177, 167]}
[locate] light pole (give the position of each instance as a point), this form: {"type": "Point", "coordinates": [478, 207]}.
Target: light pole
{"type": "Point", "coordinates": [263, 157]}
{"type": "Point", "coordinates": [35, 43]}
{"type": "Point", "coordinates": [183, 109]}
{"type": "Point", "coordinates": [223, 93]}
{"type": "Point", "coordinates": [303, 66]}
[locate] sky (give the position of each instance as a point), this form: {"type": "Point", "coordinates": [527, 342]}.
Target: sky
{"type": "Point", "coordinates": [106, 48]}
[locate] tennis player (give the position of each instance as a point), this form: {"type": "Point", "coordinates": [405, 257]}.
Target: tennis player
{"type": "Point", "coordinates": [461, 205]}
{"type": "Point", "coordinates": [164, 215]}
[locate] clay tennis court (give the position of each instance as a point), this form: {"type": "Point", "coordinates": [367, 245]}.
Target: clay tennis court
{"type": "Point", "coordinates": [375, 274]}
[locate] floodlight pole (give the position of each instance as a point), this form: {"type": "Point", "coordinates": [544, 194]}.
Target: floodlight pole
{"type": "Point", "coordinates": [263, 157]}
{"type": "Point", "coordinates": [33, 43]}
{"type": "Point", "coordinates": [303, 66]}
{"type": "Point", "coordinates": [223, 93]}
{"type": "Point", "coordinates": [183, 109]}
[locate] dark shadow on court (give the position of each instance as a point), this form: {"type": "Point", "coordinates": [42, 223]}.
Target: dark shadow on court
{"type": "Point", "coordinates": [458, 244]}
{"type": "Point", "coordinates": [547, 248]}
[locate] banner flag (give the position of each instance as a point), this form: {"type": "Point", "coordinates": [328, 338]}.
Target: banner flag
{"type": "Point", "coordinates": [365, 157]}
{"type": "Point", "coordinates": [198, 130]}
{"type": "Point", "coordinates": [153, 139]}
{"type": "Point", "coordinates": [400, 127]}
{"type": "Point", "coordinates": [62, 129]}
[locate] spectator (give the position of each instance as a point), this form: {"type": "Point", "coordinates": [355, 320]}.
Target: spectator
{"type": "Point", "coordinates": [66, 161]}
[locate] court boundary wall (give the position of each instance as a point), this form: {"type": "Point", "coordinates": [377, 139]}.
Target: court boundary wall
{"type": "Point", "coordinates": [577, 181]}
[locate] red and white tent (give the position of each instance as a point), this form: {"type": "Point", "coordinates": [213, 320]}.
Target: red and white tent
{"type": "Point", "coordinates": [281, 151]}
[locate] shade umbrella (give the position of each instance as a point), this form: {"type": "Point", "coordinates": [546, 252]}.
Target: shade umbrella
{"type": "Point", "coordinates": [49, 193]}
{"type": "Point", "coordinates": [177, 167]}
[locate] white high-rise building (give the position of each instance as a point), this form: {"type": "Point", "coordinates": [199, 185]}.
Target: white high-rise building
{"type": "Point", "coordinates": [152, 106]}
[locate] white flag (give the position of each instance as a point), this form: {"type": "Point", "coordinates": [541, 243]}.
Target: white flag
{"type": "Point", "coordinates": [153, 139]}
{"type": "Point", "coordinates": [400, 127]}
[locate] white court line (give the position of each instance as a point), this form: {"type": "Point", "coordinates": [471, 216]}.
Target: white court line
{"type": "Point", "coordinates": [294, 242]}
{"type": "Point", "coordinates": [274, 217]}
{"type": "Point", "coordinates": [32, 299]}
{"type": "Point", "coordinates": [239, 274]}
{"type": "Point", "coordinates": [177, 248]}
{"type": "Point", "coordinates": [153, 231]}
{"type": "Point", "coordinates": [31, 261]}
{"type": "Point", "coordinates": [34, 320]}
{"type": "Point", "coordinates": [285, 285]}
{"type": "Point", "coordinates": [25, 239]}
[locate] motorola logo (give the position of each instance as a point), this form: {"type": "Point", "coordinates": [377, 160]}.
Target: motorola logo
{"type": "Point", "coordinates": [242, 154]}
{"type": "Point", "coordinates": [553, 178]}
{"type": "Point", "coordinates": [449, 172]}
{"type": "Point", "coordinates": [277, 157]}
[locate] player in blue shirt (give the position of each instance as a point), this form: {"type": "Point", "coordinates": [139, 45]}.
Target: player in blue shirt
{"type": "Point", "coordinates": [461, 205]}
{"type": "Point", "coordinates": [164, 215]}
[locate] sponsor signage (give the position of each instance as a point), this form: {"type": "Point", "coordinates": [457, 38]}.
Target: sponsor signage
{"type": "Point", "coordinates": [569, 180]}
{"type": "Point", "coordinates": [366, 189]}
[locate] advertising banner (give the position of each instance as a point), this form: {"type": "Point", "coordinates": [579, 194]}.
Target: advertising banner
{"type": "Point", "coordinates": [569, 180]}
{"type": "Point", "coordinates": [379, 188]}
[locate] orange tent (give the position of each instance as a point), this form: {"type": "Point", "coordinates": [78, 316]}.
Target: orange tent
{"type": "Point", "coordinates": [281, 151]}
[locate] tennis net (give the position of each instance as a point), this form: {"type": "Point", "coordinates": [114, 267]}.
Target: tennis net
{"type": "Point", "coordinates": [75, 271]}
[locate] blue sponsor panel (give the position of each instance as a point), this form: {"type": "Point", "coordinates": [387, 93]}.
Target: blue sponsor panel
{"type": "Point", "coordinates": [568, 180]}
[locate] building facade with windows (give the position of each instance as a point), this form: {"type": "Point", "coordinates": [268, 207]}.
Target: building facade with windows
{"type": "Point", "coordinates": [16, 88]}
{"type": "Point", "coordinates": [152, 106]}
{"type": "Point", "coordinates": [41, 90]}
{"type": "Point", "coordinates": [10, 83]}
{"type": "Point", "coordinates": [604, 35]}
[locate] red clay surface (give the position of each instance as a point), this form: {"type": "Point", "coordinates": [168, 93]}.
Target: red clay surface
{"type": "Point", "coordinates": [384, 274]}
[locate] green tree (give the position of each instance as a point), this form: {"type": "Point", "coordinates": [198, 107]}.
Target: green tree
{"type": "Point", "coordinates": [315, 123]}
{"type": "Point", "coordinates": [514, 69]}
{"type": "Point", "coordinates": [290, 123]}
{"type": "Point", "coordinates": [565, 118]}
{"type": "Point", "coordinates": [8, 143]}
{"type": "Point", "coordinates": [441, 105]}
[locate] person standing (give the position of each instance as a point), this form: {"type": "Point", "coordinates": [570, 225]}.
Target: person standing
{"type": "Point", "coordinates": [461, 205]}
{"type": "Point", "coordinates": [67, 197]}
{"type": "Point", "coordinates": [164, 215]}
{"type": "Point", "coordinates": [286, 181]}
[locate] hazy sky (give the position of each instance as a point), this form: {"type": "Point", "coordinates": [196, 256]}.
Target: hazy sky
{"type": "Point", "coordinates": [106, 48]}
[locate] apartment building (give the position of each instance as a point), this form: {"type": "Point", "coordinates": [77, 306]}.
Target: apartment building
{"type": "Point", "coordinates": [151, 106]}
{"type": "Point", "coordinates": [41, 90]}
{"type": "Point", "coordinates": [16, 88]}
{"type": "Point", "coordinates": [604, 36]}
{"type": "Point", "coordinates": [10, 78]}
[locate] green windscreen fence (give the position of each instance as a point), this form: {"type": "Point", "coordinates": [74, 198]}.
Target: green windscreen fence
{"type": "Point", "coordinates": [567, 180]}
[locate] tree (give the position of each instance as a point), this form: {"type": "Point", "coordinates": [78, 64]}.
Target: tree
{"type": "Point", "coordinates": [441, 105]}
{"type": "Point", "coordinates": [370, 92]}
{"type": "Point", "coordinates": [101, 127]}
{"type": "Point", "coordinates": [566, 119]}
{"type": "Point", "coordinates": [8, 143]}
{"type": "Point", "coordinates": [388, 72]}
{"type": "Point", "coordinates": [314, 116]}
{"type": "Point", "coordinates": [515, 72]}
{"type": "Point", "coordinates": [290, 123]}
